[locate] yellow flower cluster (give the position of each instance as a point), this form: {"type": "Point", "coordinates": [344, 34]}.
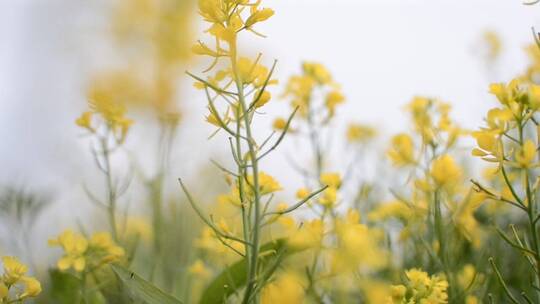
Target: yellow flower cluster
{"type": "Point", "coordinates": [420, 288]}
{"type": "Point", "coordinates": [358, 133]}
{"type": "Point", "coordinates": [302, 88]}
{"type": "Point", "coordinates": [267, 185]}
{"type": "Point", "coordinates": [15, 286]}
{"type": "Point", "coordinates": [84, 254]}
{"type": "Point", "coordinates": [519, 101]}
{"type": "Point", "coordinates": [288, 287]}
{"type": "Point", "coordinates": [359, 246]}
{"type": "Point", "coordinates": [329, 196]}
{"type": "Point", "coordinates": [110, 111]}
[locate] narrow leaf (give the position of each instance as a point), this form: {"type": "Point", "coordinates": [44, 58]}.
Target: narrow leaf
{"type": "Point", "coordinates": [142, 289]}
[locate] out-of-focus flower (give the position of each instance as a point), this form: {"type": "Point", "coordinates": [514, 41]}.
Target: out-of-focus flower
{"type": "Point", "coordinates": [358, 133]}
{"type": "Point", "coordinates": [402, 150]}
{"type": "Point", "coordinates": [81, 253]}
{"type": "Point", "coordinates": [15, 282]}
{"type": "Point", "coordinates": [286, 288]}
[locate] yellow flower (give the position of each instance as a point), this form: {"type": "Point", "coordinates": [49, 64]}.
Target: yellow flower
{"type": "Point", "coordinates": [231, 198]}
{"type": "Point", "coordinates": [318, 72]}
{"type": "Point", "coordinates": [104, 241]}
{"type": "Point", "coordinates": [333, 99]}
{"type": "Point", "coordinates": [300, 88]}
{"type": "Point", "coordinates": [258, 15]}
{"type": "Point", "coordinates": [286, 288]}
{"type": "Point", "coordinates": [32, 287]}
{"type": "Point", "coordinates": [74, 246]}
{"type": "Point", "coordinates": [419, 108]}
{"type": "Point", "coordinates": [309, 235]}
{"type": "Point", "coordinates": [223, 226]}
{"type": "Point", "coordinates": [214, 118]}
{"type": "Point", "coordinates": [516, 95]}
{"type": "Point", "coordinates": [494, 44]}
{"type": "Point", "coordinates": [487, 142]}
{"type": "Point", "coordinates": [227, 33]}
{"type": "Point", "coordinates": [395, 209]}
{"type": "Point", "coordinates": [359, 246]}
{"type": "Point", "coordinates": [4, 291]}
{"type": "Point", "coordinates": [360, 133]}
{"type": "Point", "coordinates": [85, 121]}
{"type": "Point", "coordinates": [402, 151]}
{"type": "Point", "coordinates": [498, 119]}
{"type": "Point", "coordinates": [302, 193]}
{"type": "Point", "coordinates": [281, 207]}
{"type": "Point", "coordinates": [329, 197]}
{"type": "Point", "coordinates": [108, 96]}
{"type": "Point", "coordinates": [199, 269]}
{"type": "Point", "coordinates": [471, 300]}
{"type": "Point", "coordinates": [253, 73]}
{"type": "Point", "coordinates": [137, 228]}
{"type": "Point", "coordinates": [267, 184]}
{"type": "Point", "coordinates": [466, 276]}
{"type": "Point", "coordinates": [202, 49]}
{"type": "Point", "coordinates": [445, 171]}
{"type": "Point", "coordinates": [332, 180]}
{"type": "Point", "coordinates": [464, 218]}
{"type": "Point", "coordinates": [526, 156]}
{"type": "Point", "coordinates": [398, 293]}
{"type": "Point", "coordinates": [13, 270]}
{"type": "Point", "coordinates": [421, 288]}
{"type": "Point", "coordinates": [279, 124]}
{"type": "Point", "coordinates": [262, 99]}
{"type": "Point", "coordinates": [213, 10]}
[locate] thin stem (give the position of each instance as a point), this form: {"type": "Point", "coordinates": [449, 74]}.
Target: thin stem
{"type": "Point", "coordinates": [111, 198]}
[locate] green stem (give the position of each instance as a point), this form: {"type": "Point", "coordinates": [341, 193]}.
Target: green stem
{"type": "Point", "coordinates": [530, 211]}
{"type": "Point", "coordinates": [256, 227]}
{"type": "Point", "coordinates": [111, 199]}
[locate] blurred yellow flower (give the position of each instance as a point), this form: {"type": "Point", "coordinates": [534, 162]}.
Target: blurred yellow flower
{"type": "Point", "coordinates": [267, 184]}
{"type": "Point", "coordinates": [258, 15]}
{"type": "Point", "coordinates": [199, 269]}
{"type": "Point", "coordinates": [445, 171]}
{"type": "Point", "coordinates": [32, 287]}
{"type": "Point", "coordinates": [525, 157]}
{"type": "Point", "coordinates": [279, 124]}
{"type": "Point", "coordinates": [357, 133]}
{"type": "Point", "coordinates": [262, 99]}
{"type": "Point", "coordinates": [286, 288]}
{"type": "Point", "coordinates": [85, 121]}
{"type": "Point", "coordinates": [402, 150]}
{"type": "Point", "coordinates": [4, 291]}
{"type": "Point", "coordinates": [329, 197]}
{"type": "Point", "coordinates": [302, 193]}
{"type": "Point", "coordinates": [309, 235]}
{"type": "Point", "coordinates": [318, 72]}
{"type": "Point", "coordinates": [104, 241]}
{"type": "Point", "coordinates": [420, 288]}
{"type": "Point", "coordinates": [13, 270]}
{"type": "Point", "coordinates": [14, 275]}
{"type": "Point", "coordinates": [333, 99]}
{"type": "Point", "coordinates": [74, 246]}
{"type": "Point", "coordinates": [332, 180]}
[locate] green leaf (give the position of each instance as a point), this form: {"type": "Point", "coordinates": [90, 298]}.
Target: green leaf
{"type": "Point", "coordinates": [234, 277]}
{"type": "Point", "coordinates": [66, 289]}
{"type": "Point", "coordinates": [142, 289]}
